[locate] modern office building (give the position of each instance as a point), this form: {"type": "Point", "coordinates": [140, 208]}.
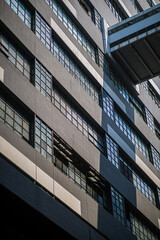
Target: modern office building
{"type": "Point", "coordinates": [80, 119]}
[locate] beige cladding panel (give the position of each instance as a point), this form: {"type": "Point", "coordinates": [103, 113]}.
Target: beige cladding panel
{"type": "Point", "coordinates": [25, 164]}
{"type": "Point", "coordinates": [125, 8]}
{"type": "Point", "coordinates": [17, 158]}
{"type": "Point", "coordinates": [70, 7]}
{"type": "Point", "coordinates": [146, 169]}
{"type": "Point", "coordinates": [44, 179]}
{"type": "Point", "coordinates": [67, 197]}
{"type": "Point", "coordinates": [1, 74]}
{"type": "Point", "coordinates": [159, 222]}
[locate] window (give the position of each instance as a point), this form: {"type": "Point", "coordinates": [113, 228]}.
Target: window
{"type": "Point", "coordinates": [43, 139]}
{"type": "Point", "coordinates": [43, 30]}
{"type": "Point", "coordinates": [67, 62]}
{"type": "Point", "coordinates": [43, 80]}
{"type": "Point", "coordinates": [14, 119]}
{"type": "Point", "coordinates": [79, 177]}
{"type": "Point", "coordinates": [118, 206]}
{"type": "Point", "coordinates": [137, 181]}
{"type": "Point", "coordinates": [145, 85]}
{"type": "Point", "coordinates": [120, 86]}
{"type": "Point", "coordinates": [139, 108]}
{"type": "Point", "coordinates": [102, 62]}
{"type": "Point", "coordinates": [49, 144]}
{"type": "Point", "coordinates": [150, 120]}
{"type": "Point", "coordinates": [150, 90]}
{"type": "Point", "coordinates": [140, 229]}
{"type": "Point", "coordinates": [155, 158]}
{"type": "Point", "coordinates": [97, 19]}
{"type": "Point", "coordinates": [108, 105]}
{"type": "Point", "coordinates": [72, 28]}
{"type": "Point", "coordinates": [78, 171]}
{"type": "Point", "coordinates": [130, 133]}
{"type": "Point", "coordinates": [77, 119]}
{"type": "Point", "coordinates": [21, 11]}
{"type": "Point", "coordinates": [15, 57]}
{"type": "Point", "coordinates": [157, 128]}
{"type": "Point", "coordinates": [127, 95]}
{"type": "Point", "coordinates": [112, 151]}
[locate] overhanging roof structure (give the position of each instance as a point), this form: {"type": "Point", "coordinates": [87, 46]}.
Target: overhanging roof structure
{"type": "Point", "coordinates": [135, 44]}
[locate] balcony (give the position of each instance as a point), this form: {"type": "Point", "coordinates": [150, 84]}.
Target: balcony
{"type": "Point", "coordinates": [135, 45]}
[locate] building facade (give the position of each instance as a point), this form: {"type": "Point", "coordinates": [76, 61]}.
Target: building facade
{"type": "Point", "coordinates": [80, 119]}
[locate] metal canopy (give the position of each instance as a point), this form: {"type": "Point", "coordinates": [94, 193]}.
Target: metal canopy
{"type": "Point", "coordinates": [135, 44]}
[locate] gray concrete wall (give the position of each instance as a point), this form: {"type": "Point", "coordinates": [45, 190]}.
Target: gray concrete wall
{"type": "Point", "coordinates": [15, 82]}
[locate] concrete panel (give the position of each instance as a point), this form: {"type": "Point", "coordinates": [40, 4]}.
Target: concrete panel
{"type": "Point", "coordinates": [92, 210]}
{"type": "Point", "coordinates": [67, 197]}
{"type": "Point", "coordinates": [72, 188]}
{"type": "Point", "coordinates": [147, 208]}
{"type": "Point", "coordinates": [44, 55]}
{"type": "Point", "coordinates": [44, 179]}
{"type": "Point", "coordinates": [147, 170]}
{"type": "Point", "coordinates": [17, 158]}
{"type": "Point", "coordinates": [1, 74]}
{"type": "Point", "coordinates": [70, 7]}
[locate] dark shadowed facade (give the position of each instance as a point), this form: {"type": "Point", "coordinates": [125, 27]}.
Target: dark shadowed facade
{"type": "Point", "coordinates": [80, 119]}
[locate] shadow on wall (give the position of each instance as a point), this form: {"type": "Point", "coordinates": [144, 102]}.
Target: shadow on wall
{"type": "Point", "coordinates": [113, 221]}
